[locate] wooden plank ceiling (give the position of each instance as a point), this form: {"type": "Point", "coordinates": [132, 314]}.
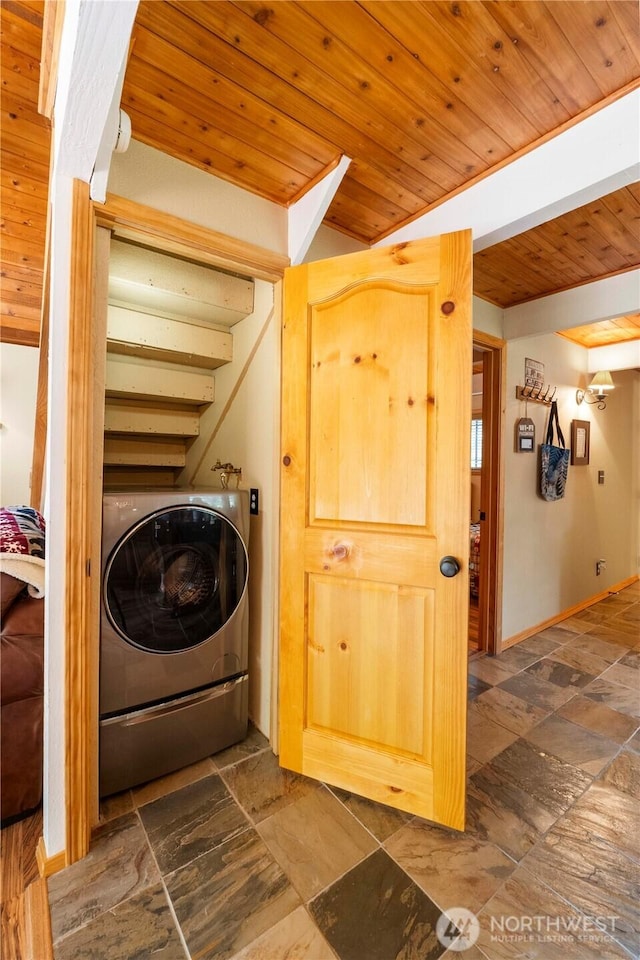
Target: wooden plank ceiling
{"type": "Point", "coordinates": [425, 97]}
{"type": "Point", "coordinates": [597, 240]}
{"type": "Point", "coordinates": [24, 144]}
{"type": "Point", "coordinates": [619, 330]}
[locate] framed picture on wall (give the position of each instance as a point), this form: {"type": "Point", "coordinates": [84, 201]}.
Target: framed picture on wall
{"type": "Point", "coordinates": [580, 437]}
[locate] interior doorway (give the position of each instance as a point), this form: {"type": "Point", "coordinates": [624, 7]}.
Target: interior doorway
{"type": "Point", "coordinates": [485, 502]}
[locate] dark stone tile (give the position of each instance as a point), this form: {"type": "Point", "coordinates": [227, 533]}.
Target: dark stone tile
{"type": "Point", "coordinates": [476, 686]}
{"type": "Point", "coordinates": [617, 603]}
{"type": "Point", "coordinates": [591, 872]}
{"type": "Point", "coordinates": [573, 656]}
{"type": "Point", "coordinates": [509, 711]}
{"type": "Point", "coordinates": [594, 614]}
{"type": "Point", "coordinates": [380, 820]}
{"type": "Point", "coordinates": [566, 630]}
{"type": "Point", "coordinates": [541, 645]}
{"type": "Point", "coordinates": [504, 814]}
{"type": "Point", "coordinates": [254, 742]}
{"type": "Point", "coordinates": [490, 669]}
{"type": "Point", "coordinates": [559, 932]}
{"type": "Point", "coordinates": [472, 766]}
{"type": "Point", "coordinates": [516, 658]}
{"type": "Point", "coordinates": [185, 824]}
{"type": "Point", "coordinates": [615, 696]}
{"type": "Point", "coordinates": [137, 929]}
{"type": "Point", "coordinates": [595, 647]}
{"type": "Point", "coordinates": [116, 806]}
{"type": "Point", "coordinates": [619, 632]}
{"type": "Point", "coordinates": [453, 868]}
{"type": "Point", "coordinates": [162, 786]}
{"type": "Point", "coordinates": [560, 674]}
{"type": "Point", "coordinates": [624, 774]}
{"type": "Point", "coordinates": [295, 937]}
{"type": "Point", "coordinates": [119, 865]}
{"type": "Point", "coordinates": [622, 673]}
{"type": "Point", "coordinates": [580, 747]}
{"type": "Point", "coordinates": [262, 787]}
{"type": "Point", "coordinates": [229, 896]}
{"type": "Point", "coordinates": [378, 912]}
{"type": "Point", "coordinates": [634, 742]}
{"type": "Point", "coordinates": [550, 781]}
{"type": "Point", "coordinates": [485, 738]}
{"type": "Point", "coordinates": [632, 659]}
{"type": "Point", "coordinates": [631, 613]}
{"type": "Point", "coordinates": [315, 840]}
{"type": "Point", "coordinates": [540, 693]}
{"type": "Point", "coordinates": [608, 814]}
{"type": "Point", "coordinates": [599, 718]}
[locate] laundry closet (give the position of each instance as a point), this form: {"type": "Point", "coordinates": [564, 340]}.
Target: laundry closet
{"type": "Point", "coordinates": [174, 611]}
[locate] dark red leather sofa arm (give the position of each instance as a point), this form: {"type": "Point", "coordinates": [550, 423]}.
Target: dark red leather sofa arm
{"type": "Point", "coordinates": [21, 699]}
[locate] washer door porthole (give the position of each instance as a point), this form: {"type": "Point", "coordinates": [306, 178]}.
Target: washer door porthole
{"type": "Point", "coordinates": [175, 579]}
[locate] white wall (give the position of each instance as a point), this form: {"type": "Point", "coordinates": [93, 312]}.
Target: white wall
{"type": "Point", "coordinates": [56, 502]}
{"type": "Point", "coordinates": [331, 243]}
{"type": "Point", "coordinates": [18, 388]}
{"type": "Point", "coordinates": [550, 549]}
{"type": "Point", "coordinates": [488, 318]}
{"type": "Point", "coordinates": [147, 176]}
{"type": "Point", "coordinates": [248, 437]}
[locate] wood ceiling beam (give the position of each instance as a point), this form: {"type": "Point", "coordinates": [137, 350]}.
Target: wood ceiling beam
{"type": "Point", "coordinates": [93, 46]}
{"type": "Point", "coordinates": [600, 300]}
{"type": "Point", "coordinates": [306, 214]}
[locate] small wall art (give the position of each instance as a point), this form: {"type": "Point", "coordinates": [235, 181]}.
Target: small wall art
{"type": "Point", "coordinates": [580, 438]}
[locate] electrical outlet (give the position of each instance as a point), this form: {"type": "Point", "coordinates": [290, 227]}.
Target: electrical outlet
{"type": "Point", "coordinates": [600, 565]}
{"type": "Point", "coordinates": [253, 500]}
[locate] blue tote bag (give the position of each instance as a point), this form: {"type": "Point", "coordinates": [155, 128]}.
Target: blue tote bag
{"type": "Point", "coordinates": [554, 460]}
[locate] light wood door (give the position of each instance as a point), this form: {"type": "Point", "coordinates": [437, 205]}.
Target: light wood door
{"type": "Point", "coordinates": [375, 492]}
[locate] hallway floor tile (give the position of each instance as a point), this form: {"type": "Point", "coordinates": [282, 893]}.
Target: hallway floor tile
{"type": "Point", "coordinates": [237, 859]}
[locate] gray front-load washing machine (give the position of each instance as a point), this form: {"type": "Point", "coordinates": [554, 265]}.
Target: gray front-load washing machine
{"type": "Point", "coordinates": [174, 630]}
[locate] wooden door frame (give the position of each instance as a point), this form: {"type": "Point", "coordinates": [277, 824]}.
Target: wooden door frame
{"type": "Point", "coordinates": [87, 353]}
{"type": "Point", "coordinates": [492, 492]}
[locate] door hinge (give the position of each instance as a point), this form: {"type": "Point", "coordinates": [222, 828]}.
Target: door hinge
{"type": "Point", "coordinates": [483, 515]}
{"type": "Point", "coordinates": [88, 567]}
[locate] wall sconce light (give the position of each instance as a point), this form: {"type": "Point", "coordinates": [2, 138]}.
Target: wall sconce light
{"type": "Point", "coordinates": [596, 392]}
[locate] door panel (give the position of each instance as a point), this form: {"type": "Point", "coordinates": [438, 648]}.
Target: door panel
{"type": "Point", "coordinates": [349, 692]}
{"type": "Point", "coordinates": [375, 489]}
{"type": "Point", "coordinates": [363, 384]}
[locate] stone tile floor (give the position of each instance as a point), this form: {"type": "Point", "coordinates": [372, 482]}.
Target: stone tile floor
{"type": "Point", "coordinates": [235, 858]}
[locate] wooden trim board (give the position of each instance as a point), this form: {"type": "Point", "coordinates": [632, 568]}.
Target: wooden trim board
{"type": "Point", "coordinates": [169, 234]}
{"type": "Point", "coordinates": [80, 665]}
{"type": "Point", "coordinates": [569, 612]}
{"type": "Point", "coordinates": [47, 865]}
{"type": "Point", "coordinates": [37, 922]}
{"type": "Point", "coordinates": [492, 492]}
{"type": "Point", "coordinates": [54, 11]}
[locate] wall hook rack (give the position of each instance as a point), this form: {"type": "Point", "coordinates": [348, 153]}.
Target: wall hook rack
{"type": "Point", "coordinates": [535, 394]}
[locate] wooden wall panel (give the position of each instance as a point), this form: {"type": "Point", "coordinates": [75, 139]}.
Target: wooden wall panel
{"type": "Point", "coordinates": [24, 177]}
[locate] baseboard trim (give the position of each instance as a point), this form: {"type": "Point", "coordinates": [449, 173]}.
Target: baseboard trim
{"type": "Point", "coordinates": [569, 612]}
{"type": "Point", "coordinates": [47, 866]}
{"type": "Point", "coordinates": [37, 922]}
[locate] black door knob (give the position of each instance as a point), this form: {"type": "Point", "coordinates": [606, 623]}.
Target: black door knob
{"type": "Point", "coordinates": [449, 567]}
